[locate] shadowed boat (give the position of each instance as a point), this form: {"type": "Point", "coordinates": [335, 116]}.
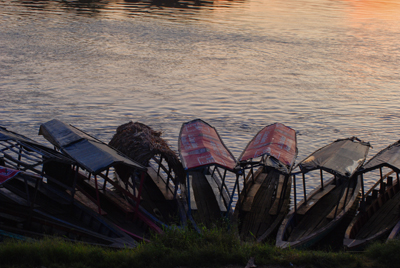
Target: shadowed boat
{"type": "Point", "coordinates": [379, 213]}
{"type": "Point", "coordinates": [207, 163]}
{"type": "Point", "coordinates": [326, 206]}
{"type": "Point", "coordinates": [265, 197]}
{"type": "Point", "coordinates": [95, 162]}
{"type": "Point", "coordinates": [35, 204]}
{"type": "Point", "coordinates": [160, 194]}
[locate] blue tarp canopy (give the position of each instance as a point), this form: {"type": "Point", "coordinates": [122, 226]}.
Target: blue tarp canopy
{"type": "Point", "coordinates": [92, 154]}
{"type": "Point", "coordinates": [9, 135]}
{"type": "Point", "coordinates": [30, 145]}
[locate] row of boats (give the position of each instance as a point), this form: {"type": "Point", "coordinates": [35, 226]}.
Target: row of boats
{"type": "Point", "coordinates": [117, 194]}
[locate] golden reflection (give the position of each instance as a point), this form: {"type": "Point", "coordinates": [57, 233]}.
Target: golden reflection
{"type": "Point", "coordinates": [373, 9]}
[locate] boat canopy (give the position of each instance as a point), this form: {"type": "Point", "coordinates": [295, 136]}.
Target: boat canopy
{"type": "Point", "coordinates": [277, 141]}
{"type": "Point", "coordinates": [10, 140]}
{"type": "Point", "coordinates": [7, 174]}
{"type": "Point", "coordinates": [389, 157]}
{"type": "Point", "coordinates": [200, 145]}
{"type": "Point", "coordinates": [92, 154]}
{"type": "Point", "coordinates": [342, 157]}
{"type": "Point", "coordinates": [9, 135]}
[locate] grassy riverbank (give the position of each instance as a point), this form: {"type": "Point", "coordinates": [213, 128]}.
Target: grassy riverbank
{"type": "Point", "coordinates": [185, 248]}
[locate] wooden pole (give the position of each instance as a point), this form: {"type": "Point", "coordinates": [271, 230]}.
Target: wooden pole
{"type": "Point", "coordinates": [304, 188]}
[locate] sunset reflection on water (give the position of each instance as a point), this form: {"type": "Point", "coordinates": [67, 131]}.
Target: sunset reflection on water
{"type": "Point", "coordinates": [326, 68]}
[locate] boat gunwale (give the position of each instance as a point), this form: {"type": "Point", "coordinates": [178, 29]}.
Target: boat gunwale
{"type": "Point", "coordinates": [280, 242]}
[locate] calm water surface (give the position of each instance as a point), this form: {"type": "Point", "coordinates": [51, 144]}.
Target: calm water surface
{"type": "Point", "coordinates": [327, 68]}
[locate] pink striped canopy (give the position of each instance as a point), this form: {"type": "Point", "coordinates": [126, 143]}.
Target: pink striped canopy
{"type": "Point", "coordinates": [276, 140]}
{"type": "Point", "coordinates": [7, 173]}
{"type": "Point", "coordinates": [200, 145]}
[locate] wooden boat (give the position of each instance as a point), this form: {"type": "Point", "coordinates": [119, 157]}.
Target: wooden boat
{"type": "Point", "coordinates": [43, 210]}
{"type": "Point", "coordinates": [160, 193]}
{"type": "Point", "coordinates": [207, 162]}
{"type": "Point", "coordinates": [394, 234]}
{"type": "Point", "coordinates": [4, 235]}
{"type": "Point", "coordinates": [30, 194]}
{"type": "Point", "coordinates": [325, 207]}
{"type": "Point", "coordinates": [265, 197]}
{"type": "Point", "coordinates": [121, 203]}
{"type": "Point", "coordinates": [379, 213]}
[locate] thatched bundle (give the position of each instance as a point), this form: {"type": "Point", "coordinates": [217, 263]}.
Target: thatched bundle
{"type": "Point", "coordinates": [140, 143]}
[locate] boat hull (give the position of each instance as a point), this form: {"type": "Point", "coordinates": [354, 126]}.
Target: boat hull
{"type": "Point", "coordinates": [378, 221]}
{"type": "Point", "coordinates": [34, 207]}
{"type": "Point", "coordinates": [293, 222]}
{"type": "Point", "coordinates": [263, 203]}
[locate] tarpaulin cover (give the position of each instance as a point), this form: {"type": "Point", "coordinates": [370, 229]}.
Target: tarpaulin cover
{"type": "Point", "coordinates": [389, 157]}
{"type": "Point", "coordinates": [277, 141]}
{"type": "Point", "coordinates": [200, 145]}
{"type": "Point", "coordinates": [9, 135]}
{"type": "Point", "coordinates": [92, 154]}
{"type": "Point", "coordinates": [31, 145]}
{"type": "Point", "coordinates": [342, 157]}
{"type": "Point", "coordinates": [7, 173]}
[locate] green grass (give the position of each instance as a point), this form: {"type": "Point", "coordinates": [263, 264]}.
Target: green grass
{"type": "Point", "coordinates": [218, 247]}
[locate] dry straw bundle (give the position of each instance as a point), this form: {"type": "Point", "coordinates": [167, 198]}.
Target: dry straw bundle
{"type": "Point", "coordinates": [140, 143]}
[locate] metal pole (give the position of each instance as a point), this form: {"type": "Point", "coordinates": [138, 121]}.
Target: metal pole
{"type": "Point", "coordinates": [362, 187]}
{"type": "Point", "coordinates": [304, 188]}
{"type": "Point", "coordinates": [322, 179]}
{"type": "Point", "coordinates": [169, 175]}
{"type": "Point", "coordinates": [223, 182]}
{"type": "Point", "coordinates": [188, 194]}
{"type": "Point", "coordinates": [105, 181]}
{"type": "Point", "coordinates": [294, 193]}
{"type": "Point", "coordinates": [238, 193]}
{"type": "Point", "coordinates": [159, 164]}
{"type": "Point", "coordinates": [233, 192]}
{"type": "Point", "coordinates": [97, 194]}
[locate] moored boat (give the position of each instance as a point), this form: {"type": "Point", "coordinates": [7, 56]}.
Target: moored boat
{"type": "Point", "coordinates": [31, 207]}
{"type": "Point", "coordinates": [35, 203]}
{"type": "Point", "coordinates": [96, 162]}
{"type": "Point", "coordinates": [207, 163]}
{"type": "Point", "coordinates": [379, 213]}
{"type": "Point", "coordinates": [264, 200]}
{"type": "Point", "coordinates": [326, 206]}
{"type": "Point", "coordinates": [160, 193]}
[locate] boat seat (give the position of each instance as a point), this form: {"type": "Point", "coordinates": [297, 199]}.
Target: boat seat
{"type": "Point", "coordinates": [11, 218]}
{"type": "Point", "coordinates": [123, 205]}
{"type": "Point", "coordinates": [161, 184]}
{"type": "Point", "coordinates": [341, 204]}
{"type": "Point", "coordinates": [248, 202]}
{"type": "Point", "coordinates": [314, 199]}
{"type": "Point", "coordinates": [275, 206]}
{"type": "Point", "coordinates": [14, 197]}
{"type": "Point", "coordinates": [193, 204]}
{"type": "Point", "coordinates": [217, 193]}
{"type": "Point", "coordinates": [84, 199]}
{"type": "Point", "coordinates": [251, 193]}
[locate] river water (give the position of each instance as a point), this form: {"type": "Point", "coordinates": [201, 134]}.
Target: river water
{"type": "Point", "coordinates": [327, 68]}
